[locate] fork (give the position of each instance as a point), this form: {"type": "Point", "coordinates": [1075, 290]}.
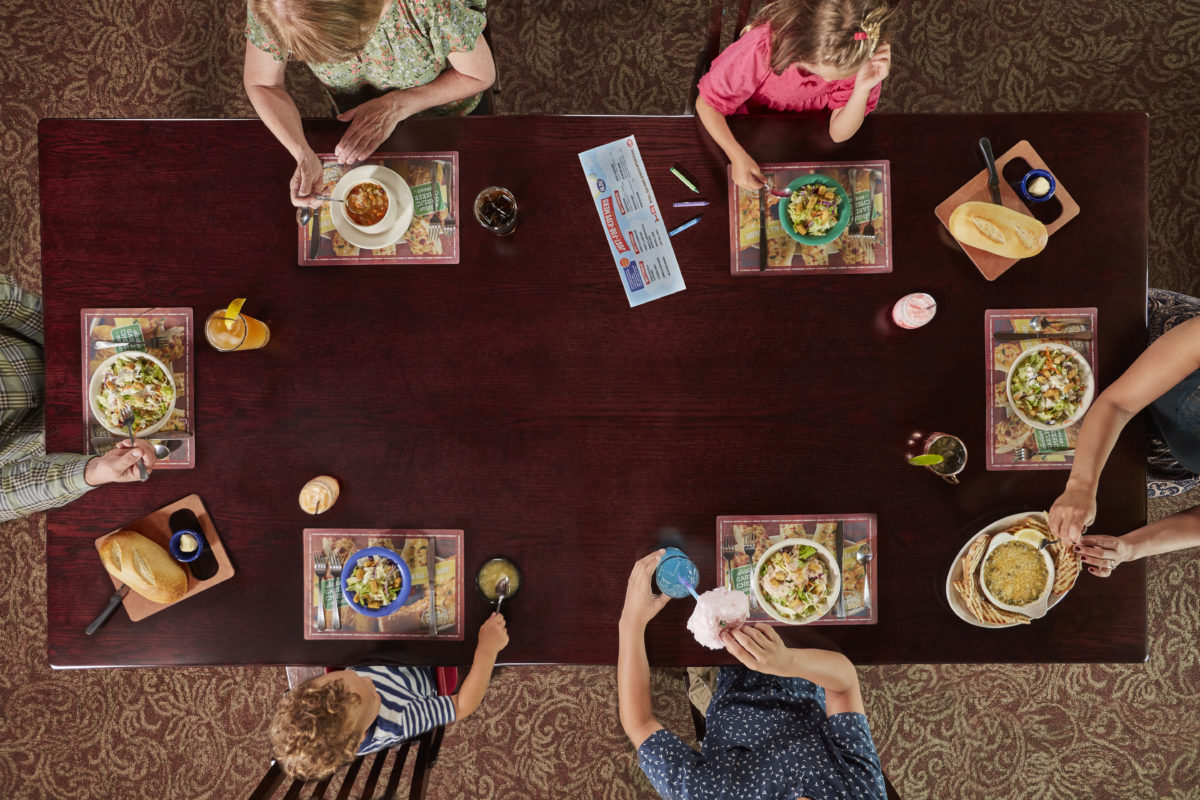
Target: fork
{"type": "Point", "coordinates": [127, 422]}
{"type": "Point", "coordinates": [321, 569]}
{"type": "Point", "coordinates": [728, 552]}
{"type": "Point", "coordinates": [868, 230]}
{"type": "Point", "coordinates": [335, 572]}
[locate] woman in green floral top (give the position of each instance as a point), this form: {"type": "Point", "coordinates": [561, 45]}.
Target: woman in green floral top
{"type": "Point", "coordinates": [428, 55]}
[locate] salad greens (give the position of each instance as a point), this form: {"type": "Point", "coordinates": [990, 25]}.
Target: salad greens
{"type": "Point", "coordinates": [813, 209]}
{"type": "Point", "coordinates": [375, 582]}
{"type": "Point", "coordinates": [795, 581]}
{"type": "Point", "coordinates": [134, 382]}
{"type": "Point", "coordinates": [1048, 386]}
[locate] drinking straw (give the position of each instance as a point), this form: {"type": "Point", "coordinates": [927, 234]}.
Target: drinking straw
{"type": "Point", "coordinates": [690, 204]}
{"type": "Point", "coordinates": [685, 225]}
{"type": "Point", "coordinates": [686, 182]}
{"type": "Point", "coordinates": [690, 588]}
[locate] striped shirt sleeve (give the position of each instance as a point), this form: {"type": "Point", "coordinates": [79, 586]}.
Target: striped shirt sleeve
{"type": "Point", "coordinates": [409, 706]}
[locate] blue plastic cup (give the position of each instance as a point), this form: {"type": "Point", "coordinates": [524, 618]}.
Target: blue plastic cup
{"type": "Point", "coordinates": [675, 573]}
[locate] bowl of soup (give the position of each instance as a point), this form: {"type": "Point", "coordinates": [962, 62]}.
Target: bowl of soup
{"type": "Point", "coordinates": [369, 206]}
{"type": "Point", "coordinates": [490, 574]}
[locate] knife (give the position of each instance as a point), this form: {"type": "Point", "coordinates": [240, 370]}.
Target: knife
{"type": "Point", "coordinates": [839, 543]}
{"type": "Point", "coordinates": [165, 436]}
{"type": "Point", "coordinates": [1013, 336]}
{"type": "Point", "coordinates": [314, 233]}
{"type": "Point", "coordinates": [431, 579]}
{"type": "Point", "coordinates": [762, 228]}
{"type": "Point", "coordinates": [113, 602]}
{"type": "Point", "coordinates": [993, 179]}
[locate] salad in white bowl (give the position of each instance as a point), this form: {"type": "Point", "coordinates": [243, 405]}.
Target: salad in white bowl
{"type": "Point", "coordinates": [1050, 386]}
{"type": "Point", "coordinates": [796, 581]}
{"type": "Point", "coordinates": [132, 381]}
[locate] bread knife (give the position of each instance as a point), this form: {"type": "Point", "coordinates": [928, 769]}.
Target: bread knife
{"type": "Point", "coordinates": [839, 544]}
{"type": "Point", "coordinates": [762, 228]}
{"type": "Point", "coordinates": [993, 179]}
{"type": "Point", "coordinates": [431, 579]}
{"type": "Point", "coordinates": [113, 602]}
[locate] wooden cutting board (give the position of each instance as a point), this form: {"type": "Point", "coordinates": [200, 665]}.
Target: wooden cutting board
{"type": "Point", "coordinates": [991, 265]}
{"type": "Point", "coordinates": [155, 527]}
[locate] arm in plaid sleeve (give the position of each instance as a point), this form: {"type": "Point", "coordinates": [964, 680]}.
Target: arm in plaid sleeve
{"type": "Point", "coordinates": [41, 482]}
{"type": "Point", "coordinates": [20, 311]}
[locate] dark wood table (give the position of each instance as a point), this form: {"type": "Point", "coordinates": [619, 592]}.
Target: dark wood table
{"type": "Point", "coordinates": [518, 397]}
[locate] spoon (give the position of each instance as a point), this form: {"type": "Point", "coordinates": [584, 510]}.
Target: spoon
{"type": "Point", "coordinates": [501, 591]}
{"type": "Point", "coordinates": [161, 451]}
{"type": "Point", "coordinates": [303, 216]}
{"type": "Point", "coordinates": [864, 556]}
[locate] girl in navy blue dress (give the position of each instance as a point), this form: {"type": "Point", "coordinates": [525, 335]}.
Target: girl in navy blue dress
{"type": "Point", "coordinates": [787, 724]}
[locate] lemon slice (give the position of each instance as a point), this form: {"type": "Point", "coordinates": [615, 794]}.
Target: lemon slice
{"type": "Point", "coordinates": [231, 313]}
{"type": "Point", "coordinates": [1029, 536]}
{"type": "Point", "coordinates": [926, 460]}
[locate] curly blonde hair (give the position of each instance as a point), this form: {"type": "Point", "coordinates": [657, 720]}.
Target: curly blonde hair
{"type": "Point", "coordinates": [309, 736]}
{"type": "Point", "coordinates": [320, 31]}
{"type": "Point", "coordinates": [823, 31]}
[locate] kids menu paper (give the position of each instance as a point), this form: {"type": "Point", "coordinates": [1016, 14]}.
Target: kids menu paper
{"type": "Point", "coordinates": [632, 222]}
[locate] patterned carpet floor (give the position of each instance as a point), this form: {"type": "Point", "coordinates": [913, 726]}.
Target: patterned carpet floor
{"type": "Point", "coordinates": [1047, 731]}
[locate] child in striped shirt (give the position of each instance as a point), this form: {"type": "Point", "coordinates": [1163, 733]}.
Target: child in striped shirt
{"type": "Point", "coordinates": [328, 721]}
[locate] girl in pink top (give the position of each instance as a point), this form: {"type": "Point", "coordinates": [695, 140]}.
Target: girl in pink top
{"type": "Point", "coordinates": [798, 56]}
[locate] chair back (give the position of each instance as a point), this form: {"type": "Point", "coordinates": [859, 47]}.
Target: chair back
{"type": "Point", "coordinates": [712, 43]}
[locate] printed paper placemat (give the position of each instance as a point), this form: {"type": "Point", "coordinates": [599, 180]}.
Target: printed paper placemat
{"type": "Point", "coordinates": [870, 194]}
{"type": "Point", "coordinates": [166, 334]}
{"type": "Point", "coordinates": [431, 238]}
{"type": "Point", "coordinates": [742, 540]}
{"type": "Point", "coordinates": [1006, 433]}
{"type": "Point", "coordinates": [411, 620]}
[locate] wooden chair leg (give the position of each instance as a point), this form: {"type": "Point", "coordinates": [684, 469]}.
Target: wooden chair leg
{"type": "Point", "coordinates": [373, 774]}
{"type": "Point", "coordinates": [422, 768]}
{"type": "Point", "coordinates": [397, 772]}
{"type": "Point", "coordinates": [266, 787]}
{"type": "Point", "coordinates": [891, 790]}
{"type": "Point", "coordinates": [350, 777]}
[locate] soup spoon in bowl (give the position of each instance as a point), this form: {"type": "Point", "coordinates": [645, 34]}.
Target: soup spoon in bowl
{"type": "Point", "coordinates": [501, 591]}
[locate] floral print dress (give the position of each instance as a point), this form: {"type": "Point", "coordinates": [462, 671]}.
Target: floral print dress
{"type": "Point", "coordinates": [409, 47]}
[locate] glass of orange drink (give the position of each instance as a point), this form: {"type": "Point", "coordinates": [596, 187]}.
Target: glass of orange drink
{"type": "Point", "coordinates": [241, 333]}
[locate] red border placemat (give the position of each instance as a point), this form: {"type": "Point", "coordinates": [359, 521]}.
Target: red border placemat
{"type": "Point", "coordinates": [786, 255]}
{"type": "Point", "coordinates": [419, 245]}
{"type": "Point", "coordinates": [1005, 432]}
{"type": "Point", "coordinates": [765, 531]}
{"type": "Point", "coordinates": [178, 356]}
{"type": "Point", "coordinates": [411, 621]}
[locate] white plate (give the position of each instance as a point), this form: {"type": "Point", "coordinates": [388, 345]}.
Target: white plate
{"type": "Point", "coordinates": [1088, 393]}
{"type": "Point", "coordinates": [835, 585]}
{"type": "Point", "coordinates": [398, 192]}
{"type": "Point", "coordinates": [94, 390]}
{"type": "Point", "coordinates": [956, 603]}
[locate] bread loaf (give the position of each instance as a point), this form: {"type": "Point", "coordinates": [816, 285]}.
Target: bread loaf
{"type": "Point", "coordinates": [998, 230]}
{"type": "Point", "coordinates": [143, 566]}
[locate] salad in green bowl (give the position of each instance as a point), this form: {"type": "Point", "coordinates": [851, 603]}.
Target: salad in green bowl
{"type": "Point", "coordinates": [817, 211]}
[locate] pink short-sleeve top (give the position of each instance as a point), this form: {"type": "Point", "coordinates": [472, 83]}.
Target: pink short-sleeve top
{"type": "Point", "coordinates": [741, 82]}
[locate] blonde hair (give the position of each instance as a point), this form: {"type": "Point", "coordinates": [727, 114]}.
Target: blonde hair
{"type": "Point", "coordinates": [320, 31]}
{"type": "Point", "coordinates": [309, 736]}
{"type": "Point", "coordinates": [823, 31]}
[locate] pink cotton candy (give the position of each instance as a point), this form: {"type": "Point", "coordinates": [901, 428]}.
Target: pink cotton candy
{"type": "Point", "coordinates": [716, 610]}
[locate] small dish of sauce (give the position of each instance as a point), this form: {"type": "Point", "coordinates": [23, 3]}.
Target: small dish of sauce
{"type": "Point", "coordinates": [1037, 186]}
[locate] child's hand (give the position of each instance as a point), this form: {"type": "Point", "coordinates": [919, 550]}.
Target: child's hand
{"type": "Point", "coordinates": [872, 73]}
{"type": "Point", "coordinates": [493, 635]}
{"type": "Point", "coordinates": [747, 174]}
{"type": "Point", "coordinates": [759, 648]}
{"type": "Point", "coordinates": [641, 604]}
